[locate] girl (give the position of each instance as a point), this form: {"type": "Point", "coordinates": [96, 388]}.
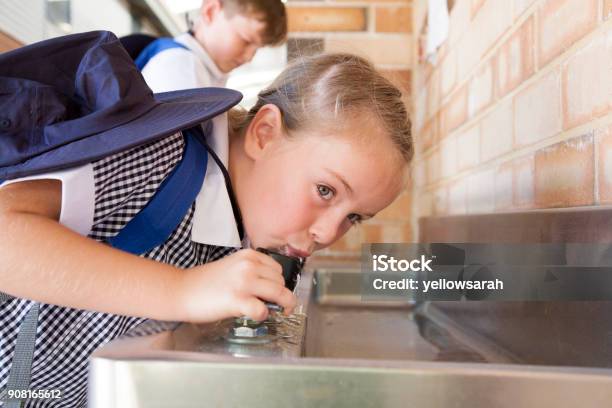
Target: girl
{"type": "Point", "coordinates": [325, 147]}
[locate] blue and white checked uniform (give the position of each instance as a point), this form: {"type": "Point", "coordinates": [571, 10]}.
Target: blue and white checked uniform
{"type": "Point", "coordinates": [124, 183]}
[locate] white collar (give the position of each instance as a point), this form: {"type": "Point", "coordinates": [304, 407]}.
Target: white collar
{"type": "Point", "coordinates": [213, 218]}
{"type": "Point", "coordinates": [218, 77]}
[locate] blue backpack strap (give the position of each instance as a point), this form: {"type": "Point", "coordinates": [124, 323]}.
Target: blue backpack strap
{"type": "Point", "coordinates": [175, 195]}
{"type": "Point", "coordinates": [155, 48]}
{"type": "Point", "coordinates": [149, 228]}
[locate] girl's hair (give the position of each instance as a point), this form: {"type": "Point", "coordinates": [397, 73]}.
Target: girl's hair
{"type": "Point", "coordinates": [330, 91]}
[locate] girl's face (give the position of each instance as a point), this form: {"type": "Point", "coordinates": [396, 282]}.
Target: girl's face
{"type": "Point", "coordinates": [303, 193]}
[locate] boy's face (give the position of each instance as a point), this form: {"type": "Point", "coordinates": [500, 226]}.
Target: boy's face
{"type": "Point", "coordinates": [303, 193]}
{"type": "Point", "coordinates": [230, 42]}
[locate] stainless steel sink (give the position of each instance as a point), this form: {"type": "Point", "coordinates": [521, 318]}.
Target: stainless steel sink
{"type": "Point", "coordinates": [342, 352]}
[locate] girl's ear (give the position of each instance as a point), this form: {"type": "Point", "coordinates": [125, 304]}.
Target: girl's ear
{"type": "Point", "coordinates": [264, 131]}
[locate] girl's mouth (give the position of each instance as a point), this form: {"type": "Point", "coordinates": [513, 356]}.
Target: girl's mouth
{"type": "Point", "coordinates": [290, 251]}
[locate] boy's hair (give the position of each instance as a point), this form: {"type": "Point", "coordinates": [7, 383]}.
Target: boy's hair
{"type": "Point", "coordinates": [330, 91]}
{"type": "Point", "coordinates": [271, 12]}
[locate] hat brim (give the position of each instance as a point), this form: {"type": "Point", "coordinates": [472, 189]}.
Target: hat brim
{"type": "Point", "coordinates": [177, 110]}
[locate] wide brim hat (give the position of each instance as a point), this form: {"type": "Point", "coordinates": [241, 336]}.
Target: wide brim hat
{"type": "Point", "coordinates": [76, 99]}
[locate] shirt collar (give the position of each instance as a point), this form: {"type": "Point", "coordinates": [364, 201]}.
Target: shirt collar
{"type": "Point", "coordinates": [218, 77]}
{"type": "Point", "coordinates": [213, 219]}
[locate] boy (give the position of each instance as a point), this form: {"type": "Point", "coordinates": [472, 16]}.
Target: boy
{"type": "Point", "coordinates": [227, 35]}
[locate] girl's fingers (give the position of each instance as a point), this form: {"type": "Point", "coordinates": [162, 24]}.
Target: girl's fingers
{"type": "Point", "coordinates": [275, 293]}
{"type": "Point", "coordinates": [253, 308]}
{"type": "Point", "coordinates": [267, 260]}
{"type": "Point", "coordinates": [266, 267]}
{"type": "Point", "coordinates": [271, 275]}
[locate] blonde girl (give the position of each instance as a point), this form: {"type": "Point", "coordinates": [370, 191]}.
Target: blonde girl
{"type": "Point", "coordinates": [325, 147]}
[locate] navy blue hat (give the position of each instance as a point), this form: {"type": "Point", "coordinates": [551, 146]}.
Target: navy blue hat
{"type": "Point", "coordinates": [75, 99]}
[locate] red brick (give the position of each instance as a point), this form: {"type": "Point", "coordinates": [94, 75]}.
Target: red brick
{"type": "Point", "coordinates": [459, 21]}
{"type": "Point", "coordinates": [457, 197]}
{"type": "Point", "coordinates": [419, 173]}
{"type": "Point", "coordinates": [371, 233]}
{"type": "Point", "coordinates": [563, 22]}
{"type": "Point", "coordinates": [418, 77]}
{"type": "Point", "coordinates": [497, 131]}
{"type": "Point", "coordinates": [433, 94]}
{"type": "Point", "coordinates": [537, 110]}
{"type": "Point", "coordinates": [493, 19]}
{"type": "Point", "coordinates": [468, 148]}
{"type": "Point", "coordinates": [350, 242]}
{"type": "Point", "coordinates": [481, 89]}
{"type": "Point", "coordinates": [481, 192]}
{"type": "Point", "coordinates": [607, 9]}
{"type": "Point", "coordinates": [520, 6]}
{"type": "Point", "coordinates": [514, 62]}
{"type": "Point", "coordinates": [408, 232]}
{"type": "Point", "coordinates": [587, 80]}
{"type": "Point", "coordinates": [440, 201]}
{"type": "Point", "coordinates": [401, 78]}
{"type": "Point", "coordinates": [409, 182]}
{"type": "Point", "coordinates": [317, 19]}
{"type": "Point", "coordinates": [564, 174]}
{"type": "Point", "coordinates": [454, 113]}
{"type": "Point", "coordinates": [427, 67]}
{"type": "Point", "coordinates": [399, 210]}
{"type": "Point", "coordinates": [442, 50]}
{"type": "Point", "coordinates": [381, 50]}
{"type": "Point", "coordinates": [393, 19]}
{"type": "Point", "coordinates": [373, 1]}
{"type": "Point", "coordinates": [433, 167]}
{"type": "Point", "coordinates": [424, 206]}
{"type": "Point", "coordinates": [395, 233]}
{"type": "Point", "coordinates": [475, 6]}
{"type": "Point", "coordinates": [427, 137]}
{"type": "Point", "coordinates": [379, 233]}
{"type": "Point", "coordinates": [420, 110]}
{"type": "Point", "coordinates": [448, 74]}
{"type": "Point", "coordinates": [504, 187]}
{"type": "Point", "coordinates": [604, 170]}
{"type": "Point", "coordinates": [448, 156]}
{"type": "Point", "coordinates": [523, 182]}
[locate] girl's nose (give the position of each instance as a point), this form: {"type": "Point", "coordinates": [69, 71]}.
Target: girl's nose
{"type": "Point", "coordinates": [329, 227]}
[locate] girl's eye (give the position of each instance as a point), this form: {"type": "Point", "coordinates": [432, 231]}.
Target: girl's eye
{"type": "Point", "coordinates": [355, 218]}
{"type": "Point", "coordinates": [325, 192]}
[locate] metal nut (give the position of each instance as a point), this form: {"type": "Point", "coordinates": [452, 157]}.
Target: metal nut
{"type": "Point", "coordinates": [246, 331]}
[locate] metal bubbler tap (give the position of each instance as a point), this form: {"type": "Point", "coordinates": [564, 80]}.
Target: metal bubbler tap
{"type": "Point", "coordinates": [248, 331]}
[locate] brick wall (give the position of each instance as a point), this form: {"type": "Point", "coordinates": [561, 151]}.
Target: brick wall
{"type": "Point", "coordinates": [516, 113]}
{"type": "Point", "coordinates": [380, 30]}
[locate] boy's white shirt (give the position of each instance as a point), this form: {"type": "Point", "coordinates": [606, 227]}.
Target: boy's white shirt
{"type": "Point", "coordinates": [178, 68]}
{"type": "Point", "coordinates": [213, 219]}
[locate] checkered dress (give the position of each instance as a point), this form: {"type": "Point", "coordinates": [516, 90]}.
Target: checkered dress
{"type": "Point", "coordinates": [124, 183]}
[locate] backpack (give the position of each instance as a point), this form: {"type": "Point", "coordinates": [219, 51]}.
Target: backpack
{"type": "Point", "coordinates": [143, 47]}
{"type": "Point", "coordinates": [155, 222]}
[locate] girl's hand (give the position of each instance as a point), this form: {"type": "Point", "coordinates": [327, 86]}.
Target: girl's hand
{"type": "Point", "coordinates": [234, 286]}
